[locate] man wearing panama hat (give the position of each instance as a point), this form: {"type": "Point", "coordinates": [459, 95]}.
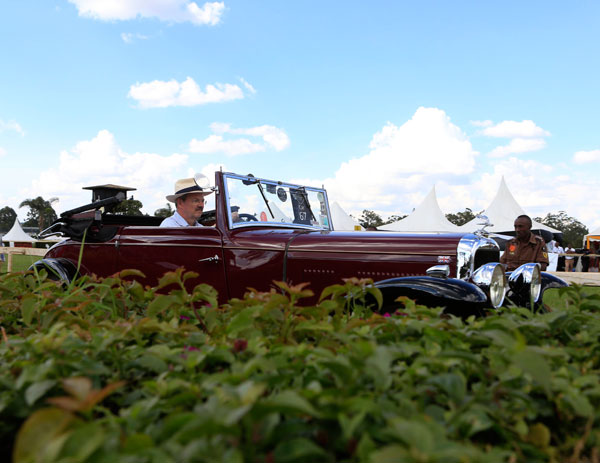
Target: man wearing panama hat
{"type": "Point", "coordinates": [189, 201]}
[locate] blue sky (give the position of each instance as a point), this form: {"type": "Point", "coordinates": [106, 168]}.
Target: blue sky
{"type": "Point", "coordinates": [379, 101]}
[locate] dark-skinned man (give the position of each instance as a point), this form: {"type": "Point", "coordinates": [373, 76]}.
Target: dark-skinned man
{"type": "Point", "coordinates": [525, 247]}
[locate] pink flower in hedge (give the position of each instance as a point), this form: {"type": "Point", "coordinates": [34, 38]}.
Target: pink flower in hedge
{"type": "Point", "coordinates": [191, 348]}
{"type": "Point", "coordinates": [240, 345]}
{"type": "Point", "coordinates": [401, 314]}
{"type": "Point", "coordinates": [387, 314]}
{"type": "Point", "coordinates": [184, 317]}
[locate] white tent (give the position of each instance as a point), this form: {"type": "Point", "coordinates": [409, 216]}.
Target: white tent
{"type": "Point", "coordinates": [427, 217]}
{"type": "Point", "coordinates": [502, 212]}
{"type": "Point", "coordinates": [594, 235]}
{"type": "Point", "coordinates": [278, 213]}
{"type": "Point", "coordinates": [341, 220]}
{"type": "Point", "coordinates": [17, 235]}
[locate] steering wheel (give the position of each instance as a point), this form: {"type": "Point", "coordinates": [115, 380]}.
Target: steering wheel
{"type": "Point", "coordinates": [247, 218]}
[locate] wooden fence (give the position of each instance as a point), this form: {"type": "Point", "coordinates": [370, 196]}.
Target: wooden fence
{"type": "Point", "coordinates": [10, 252]}
{"type": "Point", "coordinates": [581, 278]}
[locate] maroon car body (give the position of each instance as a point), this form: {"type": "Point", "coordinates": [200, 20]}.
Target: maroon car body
{"type": "Point", "coordinates": [291, 239]}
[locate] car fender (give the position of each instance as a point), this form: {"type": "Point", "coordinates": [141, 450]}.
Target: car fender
{"type": "Point", "coordinates": [58, 269]}
{"type": "Point", "coordinates": [456, 296]}
{"type": "Point", "coordinates": [549, 281]}
{"type": "Point", "coordinates": [552, 281]}
{"type": "Point", "coordinates": [520, 297]}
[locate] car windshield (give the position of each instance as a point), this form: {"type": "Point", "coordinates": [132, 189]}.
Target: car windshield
{"type": "Point", "coordinates": [254, 201]}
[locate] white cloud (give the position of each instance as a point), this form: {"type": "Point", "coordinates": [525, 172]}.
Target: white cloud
{"type": "Point", "coordinates": [11, 126]}
{"type": "Point", "coordinates": [514, 129]}
{"type": "Point", "coordinates": [161, 94]}
{"type": "Point", "coordinates": [486, 123]}
{"type": "Point", "coordinates": [220, 127]}
{"type": "Point", "coordinates": [249, 87]}
{"type": "Point", "coordinates": [129, 37]}
{"type": "Point", "coordinates": [583, 157]}
{"type": "Point", "coordinates": [272, 137]}
{"type": "Point", "coordinates": [165, 10]}
{"type": "Point", "coordinates": [100, 160]}
{"type": "Point", "coordinates": [518, 145]}
{"type": "Point", "coordinates": [2, 151]}
{"type": "Point", "coordinates": [405, 161]}
{"type": "Point", "coordinates": [402, 160]}
{"type": "Point", "coordinates": [422, 144]}
{"type": "Point", "coordinates": [210, 13]}
{"type": "Point", "coordinates": [526, 136]}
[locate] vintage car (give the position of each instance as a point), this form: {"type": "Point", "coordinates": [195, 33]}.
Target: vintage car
{"type": "Point", "coordinates": [262, 231]}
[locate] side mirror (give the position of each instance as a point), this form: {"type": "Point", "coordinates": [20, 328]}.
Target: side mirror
{"type": "Point", "coordinates": [249, 182]}
{"type": "Point", "coordinates": [202, 181]}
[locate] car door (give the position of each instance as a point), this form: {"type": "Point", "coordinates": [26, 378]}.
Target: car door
{"type": "Point", "coordinates": [157, 250]}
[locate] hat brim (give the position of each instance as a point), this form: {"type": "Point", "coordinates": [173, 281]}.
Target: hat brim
{"type": "Point", "coordinates": [173, 198]}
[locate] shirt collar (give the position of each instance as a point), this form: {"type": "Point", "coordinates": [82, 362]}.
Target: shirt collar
{"type": "Point", "coordinates": [182, 222]}
{"type": "Point", "coordinates": [532, 238]}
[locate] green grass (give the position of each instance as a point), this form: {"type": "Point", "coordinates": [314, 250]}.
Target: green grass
{"type": "Point", "coordinates": [20, 263]}
{"type": "Point", "coordinates": [555, 301]}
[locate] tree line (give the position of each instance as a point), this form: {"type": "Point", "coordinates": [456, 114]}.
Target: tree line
{"type": "Point", "coordinates": [370, 219]}
{"type": "Point", "coordinates": [41, 214]}
{"type": "Point", "coordinates": [572, 229]}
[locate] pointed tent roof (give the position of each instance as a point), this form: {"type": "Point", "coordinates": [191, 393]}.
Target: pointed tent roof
{"type": "Point", "coordinates": [427, 217]}
{"type": "Point", "coordinates": [502, 212]}
{"type": "Point", "coordinates": [17, 235]}
{"type": "Point", "coordinates": [595, 232]}
{"type": "Point", "coordinates": [341, 220]}
{"type": "Point", "coordinates": [594, 235]}
{"type": "Point", "coordinates": [278, 213]}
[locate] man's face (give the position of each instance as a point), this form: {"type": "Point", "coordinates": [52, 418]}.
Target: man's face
{"type": "Point", "coordinates": [522, 229]}
{"type": "Point", "coordinates": [191, 207]}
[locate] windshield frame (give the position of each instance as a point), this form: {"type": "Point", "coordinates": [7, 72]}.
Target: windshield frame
{"type": "Point", "coordinates": [270, 224]}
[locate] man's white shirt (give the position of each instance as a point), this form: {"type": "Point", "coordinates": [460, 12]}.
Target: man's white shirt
{"type": "Point", "coordinates": [568, 249]}
{"type": "Point", "coordinates": [177, 221]}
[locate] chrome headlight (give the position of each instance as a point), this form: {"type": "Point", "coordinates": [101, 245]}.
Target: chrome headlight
{"type": "Point", "coordinates": [492, 280]}
{"type": "Point", "coordinates": [526, 282]}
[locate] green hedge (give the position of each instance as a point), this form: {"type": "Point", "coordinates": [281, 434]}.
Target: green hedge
{"type": "Point", "coordinates": [110, 371]}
